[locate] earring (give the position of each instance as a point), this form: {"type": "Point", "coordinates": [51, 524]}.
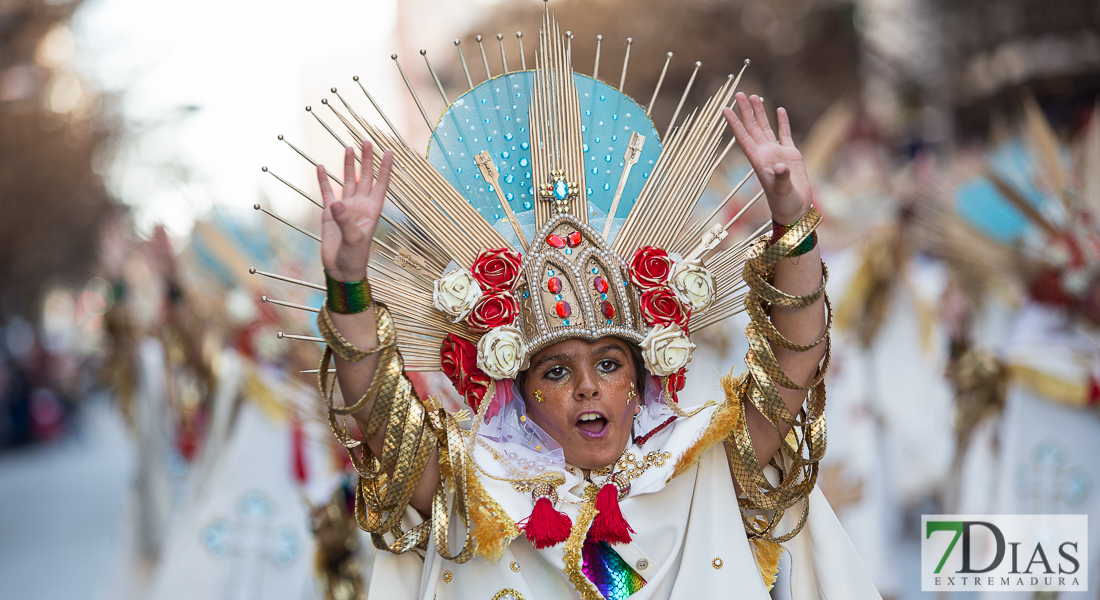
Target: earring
{"type": "Point", "coordinates": [633, 394]}
{"type": "Point", "coordinates": [538, 396]}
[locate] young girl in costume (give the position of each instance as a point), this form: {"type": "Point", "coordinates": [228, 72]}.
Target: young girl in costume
{"type": "Point", "coordinates": [557, 286]}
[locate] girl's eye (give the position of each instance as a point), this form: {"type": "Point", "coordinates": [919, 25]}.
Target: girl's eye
{"type": "Point", "coordinates": [555, 373]}
{"type": "Point", "coordinates": [607, 365]}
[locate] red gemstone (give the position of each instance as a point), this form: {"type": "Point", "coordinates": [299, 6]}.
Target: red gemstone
{"type": "Point", "coordinates": [608, 309]}
{"type": "Point", "coordinates": [554, 285]}
{"type": "Point", "coordinates": [563, 309]}
{"type": "Point", "coordinates": [600, 284]}
{"type": "Point", "coordinates": [555, 240]}
{"type": "Point", "coordinates": [574, 239]}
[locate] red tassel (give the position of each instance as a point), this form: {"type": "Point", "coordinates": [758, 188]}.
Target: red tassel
{"type": "Point", "coordinates": [609, 525]}
{"type": "Point", "coordinates": [298, 449]}
{"type": "Point", "coordinates": [546, 527]}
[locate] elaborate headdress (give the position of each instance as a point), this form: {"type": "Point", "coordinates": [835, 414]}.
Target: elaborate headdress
{"type": "Point", "coordinates": [547, 208]}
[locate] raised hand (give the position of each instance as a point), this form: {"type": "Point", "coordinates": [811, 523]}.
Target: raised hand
{"type": "Point", "coordinates": [348, 224]}
{"type": "Point", "coordinates": [778, 164]}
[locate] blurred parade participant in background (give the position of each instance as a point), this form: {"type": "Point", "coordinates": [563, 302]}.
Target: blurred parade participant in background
{"type": "Point", "coordinates": [1022, 220]}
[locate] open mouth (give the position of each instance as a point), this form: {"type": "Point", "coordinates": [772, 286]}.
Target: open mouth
{"type": "Point", "coordinates": [592, 424]}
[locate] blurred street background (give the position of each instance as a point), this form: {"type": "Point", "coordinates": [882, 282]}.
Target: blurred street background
{"type": "Point", "coordinates": [954, 150]}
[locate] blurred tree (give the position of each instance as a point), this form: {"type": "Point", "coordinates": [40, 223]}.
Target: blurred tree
{"type": "Point", "coordinates": [998, 48]}
{"type": "Point", "coordinates": [52, 125]}
{"type": "Point", "coordinates": [805, 53]}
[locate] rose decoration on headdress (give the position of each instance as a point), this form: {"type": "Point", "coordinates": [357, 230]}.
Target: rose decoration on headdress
{"type": "Point", "coordinates": [493, 310]}
{"type": "Point", "coordinates": [455, 294]}
{"type": "Point", "coordinates": [693, 284]}
{"type": "Point", "coordinates": [661, 307]}
{"type": "Point", "coordinates": [666, 350]}
{"type": "Point", "coordinates": [501, 353]}
{"type": "Point", "coordinates": [496, 269]}
{"type": "Point", "coordinates": [458, 359]}
{"type": "Point", "coordinates": [650, 268]}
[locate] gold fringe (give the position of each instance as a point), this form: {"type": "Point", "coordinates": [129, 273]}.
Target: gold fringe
{"type": "Point", "coordinates": [768, 554]}
{"type": "Point", "coordinates": [720, 426]}
{"type": "Point", "coordinates": [491, 529]}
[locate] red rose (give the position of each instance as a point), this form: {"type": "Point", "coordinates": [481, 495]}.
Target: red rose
{"type": "Point", "coordinates": [496, 269]}
{"type": "Point", "coordinates": [458, 358]}
{"type": "Point", "coordinates": [676, 383]}
{"type": "Point", "coordinates": [661, 307]}
{"type": "Point", "coordinates": [650, 268]}
{"type": "Point", "coordinates": [493, 310]}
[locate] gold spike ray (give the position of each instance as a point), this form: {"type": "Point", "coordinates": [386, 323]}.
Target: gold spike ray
{"type": "Point", "coordinates": [489, 171]}
{"type": "Point", "coordinates": [556, 143]}
{"type": "Point", "coordinates": [292, 186]}
{"type": "Point", "coordinates": [630, 158]}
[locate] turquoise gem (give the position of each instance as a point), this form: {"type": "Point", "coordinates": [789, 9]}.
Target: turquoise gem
{"type": "Point", "coordinates": [568, 250]}
{"type": "Point", "coordinates": [550, 271]}
{"type": "Point", "coordinates": [565, 322]}
{"type": "Point", "coordinates": [603, 296]}
{"type": "Point", "coordinates": [609, 321]}
{"type": "Point", "coordinates": [526, 294]}
{"type": "Point", "coordinates": [595, 270]}
{"type": "Point", "coordinates": [558, 297]}
{"type": "Point", "coordinates": [561, 190]}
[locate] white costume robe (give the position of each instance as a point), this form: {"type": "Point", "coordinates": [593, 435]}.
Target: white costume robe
{"type": "Point", "coordinates": [1050, 446]}
{"type": "Point", "coordinates": [690, 542]}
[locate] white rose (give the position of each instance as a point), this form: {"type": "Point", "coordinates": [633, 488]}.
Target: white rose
{"type": "Point", "coordinates": [455, 294]}
{"type": "Point", "coordinates": [666, 350]}
{"type": "Point", "coordinates": [693, 285]}
{"type": "Point", "coordinates": [501, 352]}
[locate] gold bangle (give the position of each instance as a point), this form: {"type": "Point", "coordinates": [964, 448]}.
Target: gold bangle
{"type": "Point", "coordinates": [341, 347]}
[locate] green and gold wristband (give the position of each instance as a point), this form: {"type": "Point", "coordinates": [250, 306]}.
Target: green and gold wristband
{"type": "Point", "coordinates": [347, 297]}
{"type": "Point", "coordinates": [807, 244]}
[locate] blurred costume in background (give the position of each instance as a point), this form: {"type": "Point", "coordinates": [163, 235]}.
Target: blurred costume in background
{"type": "Point", "coordinates": [163, 380]}
{"type": "Point", "coordinates": [571, 172]}
{"type": "Point", "coordinates": [892, 411]}
{"type": "Point", "coordinates": [1024, 225]}
{"type": "Point", "coordinates": [269, 471]}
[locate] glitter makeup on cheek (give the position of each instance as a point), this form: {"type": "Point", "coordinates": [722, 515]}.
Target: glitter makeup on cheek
{"type": "Point", "coordinates": [615, 579]}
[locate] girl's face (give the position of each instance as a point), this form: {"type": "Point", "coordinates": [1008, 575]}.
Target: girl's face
{"type": "Point", "coordinates": [587, 402]}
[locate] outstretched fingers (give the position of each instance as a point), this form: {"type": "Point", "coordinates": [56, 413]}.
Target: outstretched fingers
{"type": "Point", "coordinates": [784, 127]}
{"type": "Point", "coordinates": [739, 133]}
{"type": "Point", "coordinates": [327, 197]}
{"type": "Point", "coordinates": [384, 170]}
{"type": "Point", "coordinates": [762, 118]}
{"type": "Point", "coordinates": [349, 172]}
{"type": "Point", "coordinates": [752, 126]}
{"type": "Point", "coordinates": [366, 172]}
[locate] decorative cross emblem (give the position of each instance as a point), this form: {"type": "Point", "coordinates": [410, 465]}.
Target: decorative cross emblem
{"type": "Point", "coordinates": [1046, 482]}
{"type": "Point", "coordinates": [250, 541]}
{"type": "Point", "coordinates": [559, 191]}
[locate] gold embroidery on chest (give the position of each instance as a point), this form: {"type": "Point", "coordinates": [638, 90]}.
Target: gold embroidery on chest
{"type": "Point", "coordinates": [634, 467]}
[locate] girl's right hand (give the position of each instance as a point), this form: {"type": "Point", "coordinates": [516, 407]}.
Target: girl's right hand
{"type": "Point", "coordinates": [348, 224]}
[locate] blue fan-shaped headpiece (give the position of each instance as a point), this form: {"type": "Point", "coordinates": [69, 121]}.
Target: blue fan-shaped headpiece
{"type": "Point", "coordinates": [494, 117]}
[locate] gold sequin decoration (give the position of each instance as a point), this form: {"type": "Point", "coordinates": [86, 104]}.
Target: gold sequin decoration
{"type": "Point", "coordinates": [508, 592]}
{"type": "Point", "coordinates": [514, 566]}
{"type": "Point", "coordinates": [717, 563]}
{"type": "Point", "coordinates": [447, 576]}
{"type": "Point", "coordinates": [633, 467]}
{"type": "Point", "coordinates": [573, 547]}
